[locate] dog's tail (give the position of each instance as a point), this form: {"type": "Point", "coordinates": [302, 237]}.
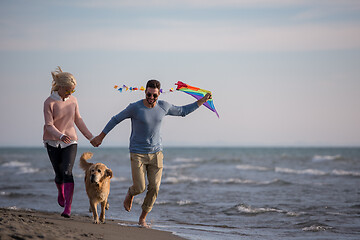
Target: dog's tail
{"type": "Point", "coordinates": [83, 160]}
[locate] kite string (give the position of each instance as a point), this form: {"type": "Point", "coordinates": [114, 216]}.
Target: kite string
{"type": "Point", "coordinates": [131, 89]}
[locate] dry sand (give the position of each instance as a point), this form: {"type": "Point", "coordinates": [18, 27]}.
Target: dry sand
{"type": "Point", "coordinates": [28, 224]}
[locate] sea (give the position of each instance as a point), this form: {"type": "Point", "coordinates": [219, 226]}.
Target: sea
{"type": "Point", "coordinates": [211, 193]}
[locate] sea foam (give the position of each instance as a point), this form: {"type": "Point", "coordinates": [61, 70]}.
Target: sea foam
{"type": "Point", "coordinates": [251, 167]}
{"type": "Point", "coordinates": [15, 164]}
{"type": "Point", "coordinates": [321, 158]}
{"type": "Point", "coordinates": [305, 171]}
{"type": "Point", "coordinates": [345, 173]}
{"type": "Point", "coordinates": [245, 209]}
{"type": "Point", "coordinates": [23, 167]}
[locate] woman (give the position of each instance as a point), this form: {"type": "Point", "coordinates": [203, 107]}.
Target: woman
{"type": "Point", "coordinates": [61, 111]}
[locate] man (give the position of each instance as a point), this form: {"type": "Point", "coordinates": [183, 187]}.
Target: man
{"type": "Point", "coordinates": [145, 142]}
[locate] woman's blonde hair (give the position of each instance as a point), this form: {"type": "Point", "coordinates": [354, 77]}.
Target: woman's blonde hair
{"type": "Point", "coordinates": [62, 79]}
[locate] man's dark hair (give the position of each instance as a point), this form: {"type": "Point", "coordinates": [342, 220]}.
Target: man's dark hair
{"type": "Point", "coordinates": [153, 84]}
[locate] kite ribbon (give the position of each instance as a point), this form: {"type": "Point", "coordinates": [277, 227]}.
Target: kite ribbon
{"type": "Point", "coordinates": [197, 93]}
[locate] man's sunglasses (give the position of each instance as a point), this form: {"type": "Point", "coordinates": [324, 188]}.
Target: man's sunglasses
{"type": "Point", "coordinates": [149, 95]}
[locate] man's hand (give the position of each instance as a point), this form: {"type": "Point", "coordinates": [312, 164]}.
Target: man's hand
{"type": "Point", "coordinates": [96, 141]}
{"type": "Point", "coordinates": [204, 99]}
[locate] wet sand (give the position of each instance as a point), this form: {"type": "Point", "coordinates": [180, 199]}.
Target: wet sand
{"type": "Point", "coordinates": [30, 224]}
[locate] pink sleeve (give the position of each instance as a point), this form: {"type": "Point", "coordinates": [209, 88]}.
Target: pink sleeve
{"type": "Point", "coordinates": [49, 121]}
{"type": "Point", "coordinates": [81, 124]}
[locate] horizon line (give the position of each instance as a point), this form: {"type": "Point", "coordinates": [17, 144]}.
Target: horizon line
{"type": "Point", "coordinates": [206, 146]}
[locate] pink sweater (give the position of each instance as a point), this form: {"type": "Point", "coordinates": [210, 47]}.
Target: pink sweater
{"type": "Point", "coordinates": [60, 117]}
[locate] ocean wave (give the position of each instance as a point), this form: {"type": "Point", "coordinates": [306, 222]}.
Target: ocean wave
{"type": "Point", "coordinates": [316, 228]}
{"type": "Point", "coordinates": [181, 166]}
{"type": "Point", "coordinates": [345, 173]}
{"type": "Point", "coordinates": [188, 160]}
{"type": "Point", "coordinates": [119, 179]}
{"type": "Point", "coordinates": [19, 195]}
{"type": "Point", "coordinates": [162, 202]}
{"type": "Point", "coordinates": [251, 167]}
{"type": "Point", "coordinates": [186, 179]}
{"type": "Point", "coordinates": [248, 181]}
{"type": "Point", "coordinates": [14, 156]}
{"type": "Point", "coordinates": [252, 210]}
{"type": "Point", "coordinates": [139, 201]}
{"type": "Point", "coordinates": [275, 181]}
{"type": "Point", "coordinates": [325, 158]}
{"type": "Point", "coordinates": [309, 171]}
{"type": "Point", "coordinates": [305, 171]}
{"type": "Point", "coordinates": [184, 202]}
{"type": "Point", "coordinates": [16, 164]}
{"type": "Point", "coordinates": [281, 170]}
{"type": "Point", "coordinates": [178, 179]}
{"type": "Point", "coordinates": [335, 172]}
{"type": "Point", "coordinates": [231, 181]}
{"type": "Point", "coordinates": [189, 179]}
{"type": "Point", "coordinates": [23, 167]}
{"type": "Point", "coordinates": [246, 209]}
{"type": "Point", "coordinates": [26, 170]}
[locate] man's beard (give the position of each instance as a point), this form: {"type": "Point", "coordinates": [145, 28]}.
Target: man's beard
{"type": "Point", "coordinates": [150, 101]}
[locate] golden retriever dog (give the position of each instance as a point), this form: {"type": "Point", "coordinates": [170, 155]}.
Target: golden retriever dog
{"type": "Point", "coordinates": [97, 184]}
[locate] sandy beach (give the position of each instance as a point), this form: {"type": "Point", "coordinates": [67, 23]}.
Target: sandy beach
{"type": "Point", "coordinates": [29, 224]}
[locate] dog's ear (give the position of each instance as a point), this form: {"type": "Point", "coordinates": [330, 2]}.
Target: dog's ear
{"type": "Point", "coordinates": [90, 167]}
{"type": "Point", "coordinates": [109, 173]}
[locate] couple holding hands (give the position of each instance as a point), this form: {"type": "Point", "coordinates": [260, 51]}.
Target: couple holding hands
{"type": "Point", "coordinates": [61, 113]}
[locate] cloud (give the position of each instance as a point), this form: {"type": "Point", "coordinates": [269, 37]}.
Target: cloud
{"type": "Point", "coordinates": [212, 3]}
{"type": "Point", "coordinates": [83, 31]}
{"type": "Point", "coordinates": [185, 36]}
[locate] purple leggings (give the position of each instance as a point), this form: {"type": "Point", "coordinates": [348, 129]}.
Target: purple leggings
{"type": "Point", "coordinates": [62, 160]}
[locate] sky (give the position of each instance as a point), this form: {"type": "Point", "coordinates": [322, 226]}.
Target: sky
{"type": "Point", "coordinates": [281, 72]}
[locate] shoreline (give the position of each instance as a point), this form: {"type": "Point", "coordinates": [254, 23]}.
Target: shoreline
{"type": "Point", "coordinates": [34, 224]}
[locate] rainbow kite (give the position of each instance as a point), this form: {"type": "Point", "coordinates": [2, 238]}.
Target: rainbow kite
{"type": "Point", "coordinates": [193, 91]}
{"type": "Point", "coordinates": [196, 93]}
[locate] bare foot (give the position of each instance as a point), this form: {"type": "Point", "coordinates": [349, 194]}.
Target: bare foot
{"type": "Point", "coordinates": [142, 223]}
{"type": "Point", "coordinates": [142, 220]}
{"type": "Point", "coordinates": [128, 201]}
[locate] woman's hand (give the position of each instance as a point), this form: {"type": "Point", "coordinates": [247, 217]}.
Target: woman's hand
{"type": "Point", "coordinates": [66, 139]}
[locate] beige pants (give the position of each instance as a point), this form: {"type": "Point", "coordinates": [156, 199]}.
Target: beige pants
{"type": "Point", "coordinates": [152, 165]}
